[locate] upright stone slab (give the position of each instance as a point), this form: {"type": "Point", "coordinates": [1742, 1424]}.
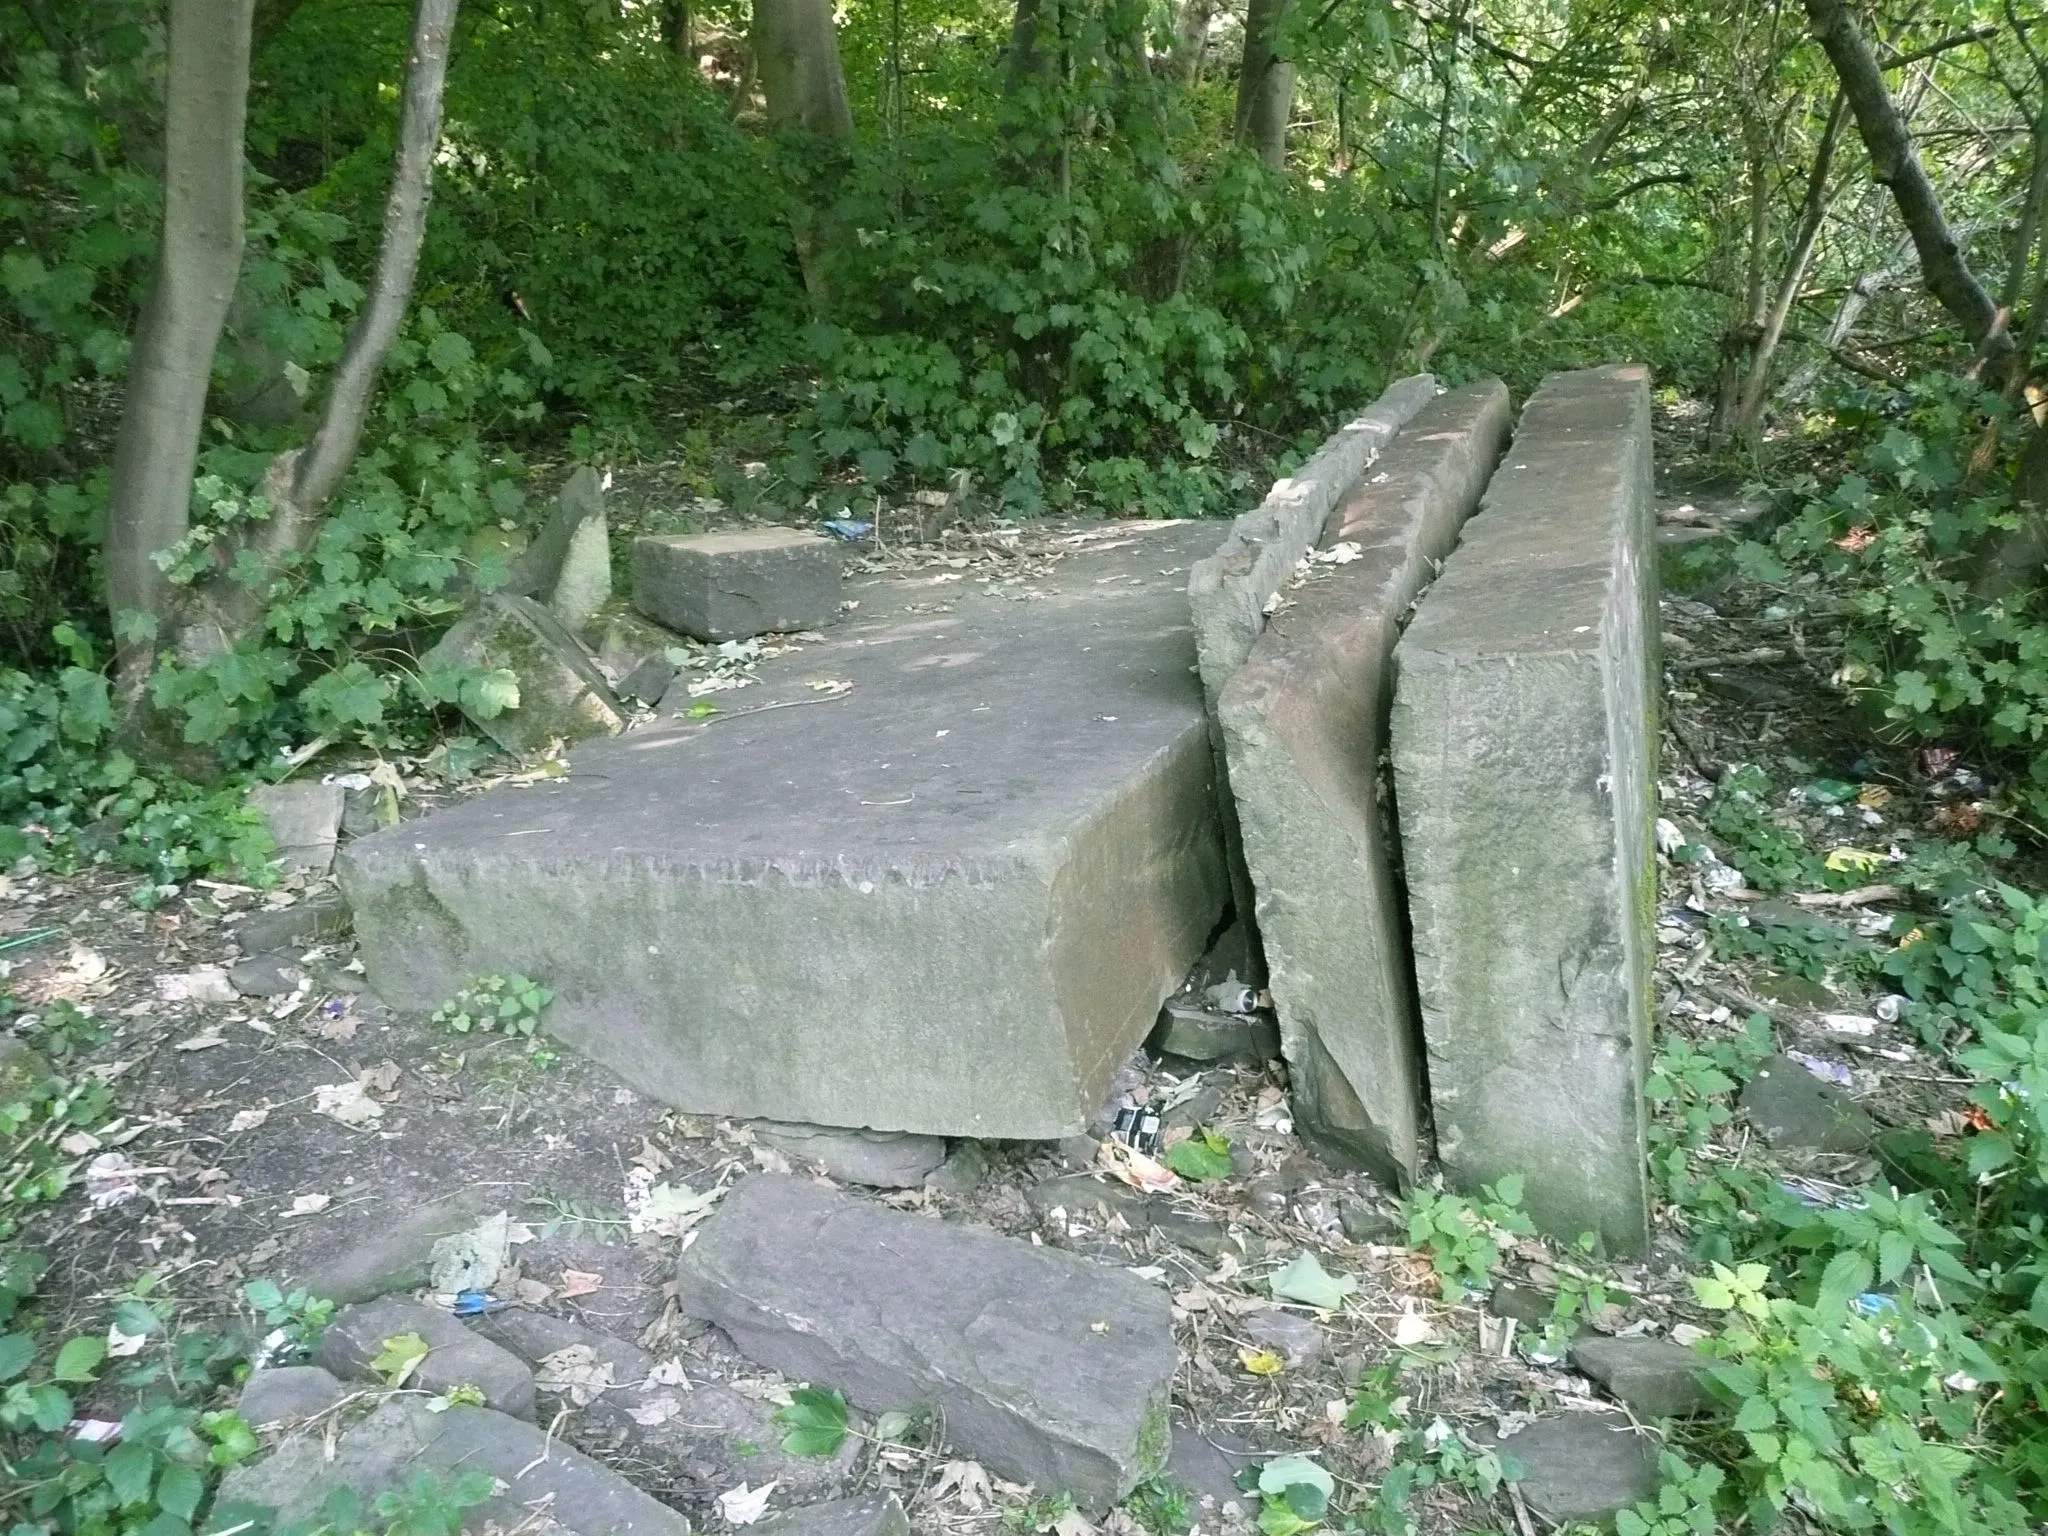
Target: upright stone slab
{"type": "Point", "coordinates": [935, 872]}
{"type": "Point", "coordinates": [1524, 736]}
{"type": "Point", "coordinates": [1229, 592]}
{"type": "Point", "coordinates": [1304, 725]}
{"type": "Point", "coordinates": [562, 695]}
{"type": "Point", "coordinates": [1048, 1369]}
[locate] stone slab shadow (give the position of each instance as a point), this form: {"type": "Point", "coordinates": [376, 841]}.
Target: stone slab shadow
{"type": "Point", "coordinates": [1228, 591]}
{"type": "Point", "coordinates": [1304, 727]}
{"type": "Point", "coordinates": [1524, 739]}
{"type": "Point", "coordinates": [936, 872]}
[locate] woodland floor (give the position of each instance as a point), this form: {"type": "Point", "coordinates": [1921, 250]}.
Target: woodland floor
{"type": "Point", "coordinates": [235, 1171]}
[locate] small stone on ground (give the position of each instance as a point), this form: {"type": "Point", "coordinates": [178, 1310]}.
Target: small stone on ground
{"type": "Point", "coordinates": [1792, 1108]}
{"type": "Point", "coordinates": [879, 1159]}
{"type": "Point", "coordinates": [1581, 1466]}
{"type": "Point", "coordinates": [455, 1357]}
{"type": "Point", "coordinates": [1655, 1377]}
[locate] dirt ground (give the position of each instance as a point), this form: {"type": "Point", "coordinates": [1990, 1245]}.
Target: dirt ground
{"type": "Point", "coordinates": [230, 1161]}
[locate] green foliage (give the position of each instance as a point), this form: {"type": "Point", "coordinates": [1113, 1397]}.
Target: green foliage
{"type": "Point", "coordinates": [512, 1004]}
{"type": "Point", "coordinates": [1463, 1237]}
{"type": "Point", "coordinates": [814, 1421]}
{"type": "Point", "coordinates": [1160, 1506]}
{"type": "Point", "coordinates": [1684, 1505]}
{"type": "Point", "coordinates": [1204, 1155]}
{"type": "Point", "coordinates": [428, 1505]}
{"type": "Point", "coordinates": [298, 1315]}
{"type": "Point", "coordinates": [38, 1115]}
{"type": "Point", "coordinates": [156, 1474]}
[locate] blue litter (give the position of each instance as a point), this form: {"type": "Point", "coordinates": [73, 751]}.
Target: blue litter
{"type": "Point", "coordinates": [477, 1303]}
{"type": "Point", "coordinates": [847, 529]}
{"type": "Point", "coordinates": [1875, 1303]}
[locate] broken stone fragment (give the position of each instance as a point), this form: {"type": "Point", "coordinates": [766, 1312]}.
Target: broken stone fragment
{"type": "Point", "coordinates": [1202, 1034]}
{"type": "Point", "coordinates": [1655, 1377]}
{"type": "Point", "coordinates": [288, 1394]}
{"type": "Point", "coordinates": [963, 1172]}
{"type": "Point", "coordinates": [265, 976]}
{"type": "Point", "coordinates": [538, 569]}
{"type": "Point", "coordinates": [732, 586]}
{"type": "Point", "coordinates": [1296, 1339]}
{"type": "Point", "coordinates": [871, 1514]}
{"type": "Point", "coordinates": [706, 1432]}
{"type": "Point", "coordinates": [585, 582]}
{"type": "Point", "coordinates": [317, 919]}
{"type": "Point", "coordinates": [562, 695]}
{"type": "Point", "coordinates": [648, 681]}
{"type": "Point", "coordinates": [455, 1357]}
{"type": "Point", "coordinates": [878, 1159]}
{"type": "Point", "coordinates": [1793, 1109]}
{"type": "Point", "coordinates": [304, 822]}
{"type": "Point", "coordinates": [1047, 1369]}
{"type": "Point", "coordinates": [529, 1468]}
{"type": "Point", "coordinates": [391, 1249]}
{"type": "Point", "coordinates": [1581, 1466]}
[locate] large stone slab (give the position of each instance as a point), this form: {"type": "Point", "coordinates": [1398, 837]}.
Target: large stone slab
{"type": "Point", "coordinates": [1048, 1369]}
{"type": "Point", "coordinates": [1304, 726]}
{"type": "Point", "coordinates": [948, 897]}
{"type": "Point", "coordinates": [1230, 591]}
{"type": "Point", "coordinates": [1524, 735]}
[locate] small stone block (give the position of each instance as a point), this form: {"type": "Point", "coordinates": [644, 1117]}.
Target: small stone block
{"type": "Point", "coordinates": [1048, 1369]}
{"type": "Point", "coordinates": [316, 919]}
{"type": "Point", "coordinates": [285, 1394]}
{"type": "Point", "coordinates": [304, 822]}
{"type": "Point", "coordinates": [1201, 1034]}
{"type": "Point", "coordinates": [1524, 734]}
{"type": "Point", "coordinates": [1581, 1466]}
{"type": "Point", "coordinates": [1793, 1109]}
{"type": "Point", "coordinates": [730, 586]}
{"type": "Point", "coordinates": [1655, 1377]}
{"type": "Point", "coordinates": [878, 1159]}
{"type": "Point", "coordinates": [455, 1357]}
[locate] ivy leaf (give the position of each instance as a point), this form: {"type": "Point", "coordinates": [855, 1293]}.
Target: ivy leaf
{"type": "Point", "coordinates": [1200, 1157]}
{"type": "Point", "coordinates": [398, 1357]}
{"type": "Point", "coordinates": [79, 1358]}
{"type": "Point", "coordinates": [815, 1421]}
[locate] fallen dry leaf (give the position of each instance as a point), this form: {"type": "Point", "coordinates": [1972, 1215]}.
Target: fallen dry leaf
{"type": "Point", "coordinates": [341, 1027]}
{"type": "Point", "coordinates": [744, 1505]}
{"type": "Point", "coordinates": [347, 1103]}
{"type": "Point", "coordinates": [248, 1119]}
{"type": "Point", "coordinates": [382, 1078]}
{"type": "Point", "coordinates": [308, 1205]}
{"type": "Point", "coordinates": [577, 1282]}
{"type": "Point", "coordinates": [201, 1042]}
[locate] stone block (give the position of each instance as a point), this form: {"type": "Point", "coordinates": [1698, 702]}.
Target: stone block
{"type": "Point", "coordinates": [315, 919]}
{"type": "Point", "coordinates": [532, 1469]}
{"type": "Point", "coordinates": [878, 1159]}
{"type": "Point", "coordinates": [949, 898]}
{"type": "Point", "coordinates": [304, 822]}
{"type": "Point", "coordinates": [455, 1357]}
{"type": "Point", "coordinates": [1048, 1369]}
{"type": "Point", "coordinates": [1794, 1110]}
{"type": "Point", "coordinates": [585, 582]}
{"type": "Point", "coordinates": [1581, 1466]}
{"type": "Point", "coordinates": [389, 1249]}
{"type": "Point", "coordinates": [1228, 593]}
{"type": "Point", "coordinates": [562, 695]}
{"type": "Point", "coordinates": [285, 1394]}
{"type": "Point", "coordinates": [1304, 722]}
{"type": "Point", "coordinates": [1655, 1378]}
{"type": "Point", "coordinates": [1202, 1034]}
{"type": "Point", "coordinates": [729, 586]}
{"type": "Point", "coordinates": [537, 570]}
{"type": "Point", "coordinates": [1524, 738]}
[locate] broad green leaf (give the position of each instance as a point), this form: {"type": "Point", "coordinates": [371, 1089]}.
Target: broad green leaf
{"type": "Point", "coordinates": [130, 1468]}
{"type": "Point", "coordinates": [815, 1421]}
{"type": "Point", "coordinates": [1200, 1158]}
{"type": "Point", "coordinates": [1305, 1280]}
{"type": "Point", "coordinates": [79, 1358]}
{"type": "Point", "coordinates": [398, 1357]}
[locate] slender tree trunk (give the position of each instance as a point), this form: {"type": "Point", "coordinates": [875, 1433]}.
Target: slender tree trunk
{"type": "Point", "coordinates": [679, 28]}
{"type": "Point", "coordinates": [1265, 84]}
{"type": "Point", "coordinates": [1812, 214]}
{"type": "Point", "coordinates": [1191, 39]}
{"type": "Point", "coordinates": [796, 50]}
{"type": "Point", "coordinates": [300, 483]}
{"type": "Point", "coordinates": [1738, 341]}
{"type": "Point", "coordinates": [2029, 225]}
{"type": "Point", "coordinates": [1895, 164]}
{"type": "Point", "coordinates": [150, 485]}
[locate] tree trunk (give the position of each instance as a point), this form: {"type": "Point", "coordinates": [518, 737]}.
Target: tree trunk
{"type": "Point", "coordinates": [2029, 225]}
{"type": "Point", "coordinates": [1812, 214]}
{"type": "Point", "coordinates": [1894, 163]}
{"type": "Point", "coordinates": [1265, 84]}
{"type": "Point", "coordinates": [150, 484]}
{"type": "Point", "coordinates": [300, 483]}
{"type": "Point", "coordinates": [1191, 39]}
{"type": "Point", "coordinates": [796, 51]}
{"type": "Point", "coordinates": [679, 29]}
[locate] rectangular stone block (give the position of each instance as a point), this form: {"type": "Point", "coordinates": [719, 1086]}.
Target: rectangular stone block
{"type": "Point", "coordinates": [731, 586]}
{"type": "Point", "coordinates": [1049, 1369]}
{"type": "Point", "coordinates": [1524, 740]}
{"type": "Point", "coordinates": [935, 872]}
{"type": "Point", "coordinates": [1304, 726]}
{"type": "Point", "coordinates": [562, 694]}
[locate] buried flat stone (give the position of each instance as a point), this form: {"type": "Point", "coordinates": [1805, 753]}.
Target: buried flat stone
{"type": "Point", "coordinates": [870, 1514]}
{"type": "Point", "coordinates": [1048, 1369]}
{"type": "Point", "coordinates": [304, 821]}
{"type": "Point", "coordinates": [1657, 1378]}
{"type": "Point", "coordinates": [946, 891]}
{"type": "Point", "coordinates": [532, 1473]}
{"type": "Point", "coordinates": [731, 586]}
{"type": "Point", "coordinates": [878, 1159]}
{"type": "Point", "coordinates": [455, 1357]}
{"type": "Point", "coordinates": [1524, 734]}
{"type": "Point", "coordinates": [1795, 1110]}
{"type": "Point", "coordinates": [1304, 728]}
{"type": "Point", "coordinates": [1581, 1466]}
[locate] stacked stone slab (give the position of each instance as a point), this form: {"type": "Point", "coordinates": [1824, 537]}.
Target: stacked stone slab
{"type": "Point", "coordinates": [1229, 592]}
{"type": "Point", "coordinates": [1304, 727]}
{"type": "Point", "coordinates": [936, 872]}
{"type": "Point", "coordinates": [1523, 745]}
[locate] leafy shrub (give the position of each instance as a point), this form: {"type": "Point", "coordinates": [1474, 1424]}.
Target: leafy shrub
{"type": "Point", "coordinates": [489, 1003]}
